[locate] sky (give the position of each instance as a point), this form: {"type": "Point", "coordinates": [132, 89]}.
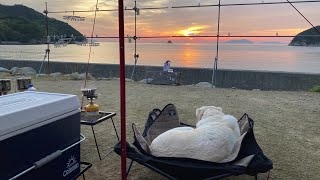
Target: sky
{"type": "Point", "coordinates": [236, 20]}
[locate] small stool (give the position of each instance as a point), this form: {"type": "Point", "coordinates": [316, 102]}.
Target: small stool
{"type": "Point", "coordinates": [91, 120]}
{"type": "Point", "coordinates": [5, 86]}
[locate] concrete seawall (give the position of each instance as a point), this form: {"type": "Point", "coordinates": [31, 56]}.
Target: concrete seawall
{"type": "Point", "coordinates": [241, 79]}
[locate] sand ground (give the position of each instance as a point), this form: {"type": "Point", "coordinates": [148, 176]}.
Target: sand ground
{"type": "Point", "coordinates": [286, 123]}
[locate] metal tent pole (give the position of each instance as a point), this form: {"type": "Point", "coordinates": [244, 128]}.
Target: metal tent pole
{"type": "Point", "coordinates": [215, 65]}
{"type": "Point", "coordinates": [48, 47]}
{"type": "Point", "coordinates": [122, 89]}
{"type": "Point", "coordinates": [136, 56]}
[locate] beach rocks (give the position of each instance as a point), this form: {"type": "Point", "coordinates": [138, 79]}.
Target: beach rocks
{"type": "Point", "coordinates": [127, 79]}
{"type": "Point", "coordinates": [13, 70]}
{"type": "Point", "coordinates": [104, 79]}
{"type": "Point", "coordinates": [42, 75]}
{"type": "Point", "coordinates": [74, 76]}
{"type": "Point", "coordinates": [67, 76]}
{"type": "Point", "coordinates": [256, 89]}
{"type": "Point", "coordinates": [27, 71]}
{"type": "Point", "coordinates": [4, 70]}
{"type": "Point", "coordinates": [204, 84]}
{"type": "Point", "coordinates": [144, 81]}
{"type": "Point", "coordinates": [83, 76]}
{"type": "Point", "coordinates": [56, 74]}
{"type": "Point", "coordinates": [77, 76]}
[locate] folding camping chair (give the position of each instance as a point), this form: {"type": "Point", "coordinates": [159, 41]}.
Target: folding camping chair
{"type": "Point", "coordinates": [248, 156]}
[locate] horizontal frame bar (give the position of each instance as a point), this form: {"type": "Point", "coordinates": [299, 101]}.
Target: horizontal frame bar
{"type": "Point", "coordinates": [191, 6]}
{"type": "Point", "coordinates": [245, 4]}
{"type": "Point", "coordinates": [236, 36]}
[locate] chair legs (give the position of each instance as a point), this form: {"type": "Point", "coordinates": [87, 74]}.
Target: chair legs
{"type": "Point", "coordinates": [129, 168]}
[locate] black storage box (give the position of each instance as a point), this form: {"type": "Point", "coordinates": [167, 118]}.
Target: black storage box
{"type": "Point", "coordinates": [34, 125]}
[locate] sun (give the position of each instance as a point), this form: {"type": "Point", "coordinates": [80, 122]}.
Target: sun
{"type": "Point", "coordinates": [187, 32]}
{"type": "Point", "coordinates": [194, 30]}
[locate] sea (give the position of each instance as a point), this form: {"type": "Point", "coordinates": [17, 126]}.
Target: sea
{"type": "Point", "coordinates": [261, 57]}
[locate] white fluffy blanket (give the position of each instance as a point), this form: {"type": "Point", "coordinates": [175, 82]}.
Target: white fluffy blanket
{"type": "Point", "coordinates": [212, 140]}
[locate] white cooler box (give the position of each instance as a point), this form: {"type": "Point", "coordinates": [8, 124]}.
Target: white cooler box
{"type": "Point", "coordinates": [40, 132]}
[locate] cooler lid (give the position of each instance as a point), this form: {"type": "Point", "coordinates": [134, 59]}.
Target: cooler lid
{"type": "Point", "coordinates": [26, 109]}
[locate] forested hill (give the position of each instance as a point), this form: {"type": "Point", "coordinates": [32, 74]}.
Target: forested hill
{"type": "Point", "coordinates": [312, 38]}
{"type": "Point", "coordinates": [22, 24]}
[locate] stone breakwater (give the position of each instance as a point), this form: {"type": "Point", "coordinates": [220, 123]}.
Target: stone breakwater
{"type": "Point", "coordinates": [241, 79]}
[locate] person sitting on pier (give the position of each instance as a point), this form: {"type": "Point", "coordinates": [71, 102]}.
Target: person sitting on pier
{"type": "Point", "coordinates": [166, 66]}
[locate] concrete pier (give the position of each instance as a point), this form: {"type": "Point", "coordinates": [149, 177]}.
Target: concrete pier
{"type": "Point", "coordinates": [226, 78]}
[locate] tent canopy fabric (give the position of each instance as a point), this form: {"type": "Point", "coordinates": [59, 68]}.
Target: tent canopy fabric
{"type": "Point", "coordinates": [247, 157]}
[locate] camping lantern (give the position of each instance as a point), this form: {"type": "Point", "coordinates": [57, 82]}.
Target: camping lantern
{"type": "Point", "coordinates": [91, 108]}
{"type": "Point", "coordinates": [23, 83]}
{"type": "Point", "coordinates": [5, 86]}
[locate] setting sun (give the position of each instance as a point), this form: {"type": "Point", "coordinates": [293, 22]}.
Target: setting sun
{"type": "Point", "coordinates": [191, 31]}
{"type": "Point", "coordinates": [187, 33]}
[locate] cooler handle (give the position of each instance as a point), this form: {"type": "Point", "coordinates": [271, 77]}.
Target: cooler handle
{"type": "Point", "coordinates": [48, 158]}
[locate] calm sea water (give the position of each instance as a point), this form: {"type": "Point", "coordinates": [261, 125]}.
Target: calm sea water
{"type": "Point", "coordinates": [279, 57]}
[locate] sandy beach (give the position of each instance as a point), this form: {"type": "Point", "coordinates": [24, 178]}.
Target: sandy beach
{"type": "Point", "coordinates": [286, 123]}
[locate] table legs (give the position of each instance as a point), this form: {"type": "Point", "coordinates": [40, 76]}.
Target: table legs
{"type": "Point", "coordinates": [114, 127]}
{"type": "Point", "coordinates": [95, 140]}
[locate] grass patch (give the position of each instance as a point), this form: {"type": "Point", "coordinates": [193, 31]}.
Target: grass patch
{"type": "Point", "coordinates": [315, 89]}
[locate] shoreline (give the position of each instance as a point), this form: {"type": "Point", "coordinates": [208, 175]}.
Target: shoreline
{"type": "Point", "coordinates": [174, 67]}
{"type": "Point", "coordinates": [225, 78]}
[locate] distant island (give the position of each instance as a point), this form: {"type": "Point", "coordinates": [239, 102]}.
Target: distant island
{"type": "Point", "coordinates": [22, 25]}
{"type": "Point", "coordinates": [239, 41]}
{"type": "Point", "coordinates": [302, 40]}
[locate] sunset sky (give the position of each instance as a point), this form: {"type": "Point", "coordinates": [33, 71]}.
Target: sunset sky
{"type": "Point", "coordinates": [240, 20]}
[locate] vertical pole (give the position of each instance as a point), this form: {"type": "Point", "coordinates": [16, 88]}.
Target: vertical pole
{"type": "Point", "coordinates": [215, 66]}
{"type": "Point", "coordinates": [122, 89]}
{"type": "Point", "coordinates": [135, 39]}
{"type": "Point", "coordinates": [47, 50]}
